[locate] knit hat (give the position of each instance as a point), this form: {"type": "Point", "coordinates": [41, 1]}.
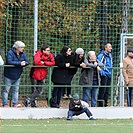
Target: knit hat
{"type": "Point", "coordinates": [76, 96]}
{"type": "Point", "coordinates": [79, 51]}
{"type": "Point", "coordinates": [130, 50]}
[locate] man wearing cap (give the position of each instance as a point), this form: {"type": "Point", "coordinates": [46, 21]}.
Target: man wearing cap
{"type": "Point", "coordinates": [128, 73]}
{"type": "Point", "coordinates": [17, 58]}
{"type": "Point", "coordinates": [76, 108]}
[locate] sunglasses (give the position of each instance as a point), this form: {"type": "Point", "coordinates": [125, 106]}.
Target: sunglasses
{"type": "Point", "coordinates": [69, 50]}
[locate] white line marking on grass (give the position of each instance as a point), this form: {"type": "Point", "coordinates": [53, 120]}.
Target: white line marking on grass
{"type": "Point", "coordinates": [67, 125]}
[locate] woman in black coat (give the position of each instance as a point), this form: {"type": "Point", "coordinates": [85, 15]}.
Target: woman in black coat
{"type": "Point", "coordinates": [62, 75]}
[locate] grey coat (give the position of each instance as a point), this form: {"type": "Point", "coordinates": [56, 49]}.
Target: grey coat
{"type": "Point", "coordinates": [86, 77]}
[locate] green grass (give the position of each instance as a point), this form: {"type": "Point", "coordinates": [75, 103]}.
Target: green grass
{"type": "Point", "coordinates": [64, 126]}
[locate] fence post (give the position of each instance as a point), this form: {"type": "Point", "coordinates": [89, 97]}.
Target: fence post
{"type": "Point", "coordinates": [112, 86]}
{"type": "Point", "coordinates": [50, 85]}
{"type": "Point", "coordinates": [35, 24]}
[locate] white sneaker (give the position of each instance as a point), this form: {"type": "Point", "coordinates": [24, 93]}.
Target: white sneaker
{"type": "Point", "coordinates": [17, 106]}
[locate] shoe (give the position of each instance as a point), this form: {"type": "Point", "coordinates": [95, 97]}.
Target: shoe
{"type": "Point", "coordinates": [6, 106]}
{"type": "Point", "coordinates": [69, 96]}
{"type": "Point", "coordinates": [92, 118]}
{"type": "Point", "coordinates": [65, 96]}
{"type": "Point", "coordinates": [106, 105]}
{"type": "Point", "coordinates": [55, 106]}
{"type": "Point", "coordinates": [26, 102]}
{"type": "Point", "coordinates": [33, 104]}
{"type": "Point", "coordinates": [17, 106]}
{"type": "Point", "coordinates": [69, 118]}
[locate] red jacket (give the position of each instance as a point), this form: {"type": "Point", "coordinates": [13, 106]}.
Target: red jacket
{"type": "Point", "coordinates": [41, 72]}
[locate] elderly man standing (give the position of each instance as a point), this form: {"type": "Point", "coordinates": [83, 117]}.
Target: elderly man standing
{"type": "Point", "coordinates": [17, 58]}
{"type": "Point", "coordinates": [128, 74]}
{"type": "Point", "coordinates": [90, 78]}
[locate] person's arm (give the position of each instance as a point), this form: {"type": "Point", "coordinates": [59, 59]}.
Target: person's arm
{"type": "Point", "coordinates": [124, 72]}
{"type": "Point", "coordinates": [26, 60]}
{"type": "Point", "coordinates": [90, 64]}
{"type": "Point", "coordinates": [37, 59]}
{"type": "Point", "coordinates": [10, 60]}
{"type": "Point", "coordinates": [100, 64]}
{"type": "Point", "coordinates": [101, 58]}
{"type": "Point", "coordinates": [50, 61]}
{"type": "Point", "coordinates": [59, 61]}
{"type": "Point", "coordinates": [1, 61]}
{"type": "Point", "coordinates": [71, 105]}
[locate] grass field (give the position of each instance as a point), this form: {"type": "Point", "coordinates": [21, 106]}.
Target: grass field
{"type": "Point", "coordinates": [64, 126]}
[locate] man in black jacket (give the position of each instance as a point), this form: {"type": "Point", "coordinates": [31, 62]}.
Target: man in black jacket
{"type": "Point", "coordinates": [76, 108]}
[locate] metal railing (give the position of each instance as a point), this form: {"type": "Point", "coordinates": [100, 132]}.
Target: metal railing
{"type": "Point", "coordinates": [25, 86]}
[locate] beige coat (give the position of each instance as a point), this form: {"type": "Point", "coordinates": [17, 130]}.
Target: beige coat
{"type": "Point", "coordinates": [128, 73]}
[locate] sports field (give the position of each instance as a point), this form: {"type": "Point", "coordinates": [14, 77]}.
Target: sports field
{"type": "Point", "coordinates": [64, 126]}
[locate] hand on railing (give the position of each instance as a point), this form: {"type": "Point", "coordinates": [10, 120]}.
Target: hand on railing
{"type": "Point", "coordinates": [23, 63]}
{"type": "Point", "coordinates": [83, 65]}
{"type": "Point", "coordinates": [67, 64]}
{"type": "Point", "coordinates": [98, 68]}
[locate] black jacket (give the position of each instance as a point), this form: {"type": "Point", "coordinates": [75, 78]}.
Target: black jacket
{"type": "Point", "coordinates": [76, 62]}
{"type": "Point", "coordinates": [62, 74]}
{"type": "Point", "coordinates": [72, 105]}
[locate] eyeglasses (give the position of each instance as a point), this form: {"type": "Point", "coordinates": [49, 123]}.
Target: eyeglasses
{"type": "Point", "coordinates": [47, 50]}
{"type": "Point", "coordinates": [69, 50]}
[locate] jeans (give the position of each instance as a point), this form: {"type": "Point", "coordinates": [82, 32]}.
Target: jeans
{"type": "Point", "coordinates": [37, 90]}
{"type": "Point", "coordinates": [104, 92]}
{"type": "Point", "coordinates": [129, 96]}
{"type": "Point", "coordinates": [93, 92]}
{"type": "Point", "coordinates": [15, 88]}
{"type": "Point", "coordinates": [84, 110]}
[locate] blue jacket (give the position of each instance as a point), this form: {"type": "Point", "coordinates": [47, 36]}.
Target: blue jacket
{"type": "Point", "coordinates": [15, 72]}
{"type": "Point", "coordinates": [106, 59]}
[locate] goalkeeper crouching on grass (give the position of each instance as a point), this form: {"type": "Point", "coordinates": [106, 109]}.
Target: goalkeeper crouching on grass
{"type": "Point", "coordinates": [76, 107]}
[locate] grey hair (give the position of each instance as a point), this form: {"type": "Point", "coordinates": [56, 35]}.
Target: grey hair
{"type": "Point", "coordinates": [18, 44]}
{"type": "Point", "coordinates": [90, 53]}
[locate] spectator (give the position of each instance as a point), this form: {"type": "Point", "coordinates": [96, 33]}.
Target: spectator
{"type": "Point", "coordinates": [1, 60]}
{"type": "Point", "coordinates": [78, 61]}
{"type": "Point", "coordinates": [105, 57]}
{"type": "Point", "coordinates": [128, 74]}
{"type": "Point", "coordinates": [79, 58]}
{"type": "Point", "coordinates": [42, 57]}
{"type": "Point", "coordinates": [1, 63]}
{"type": "Point", "coordinates": [62, 75]}
{"type": "Point", "coordinates": [76, 108]}
{"type": "Point", "coordinates": [91, 76]}
{"type": "Point", "coordinates": [17, 58]}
